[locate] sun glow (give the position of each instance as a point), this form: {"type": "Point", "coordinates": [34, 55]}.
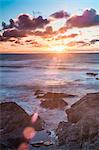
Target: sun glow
{"type": "Point", "coordinates": [58, 49]}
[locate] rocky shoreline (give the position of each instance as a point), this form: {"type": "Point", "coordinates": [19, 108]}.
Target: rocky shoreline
{"type": "Point", "coordinates": [81, 132]}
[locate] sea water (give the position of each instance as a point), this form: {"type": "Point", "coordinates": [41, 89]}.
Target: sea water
{"type": "Point", "coordinates": [22, 74]}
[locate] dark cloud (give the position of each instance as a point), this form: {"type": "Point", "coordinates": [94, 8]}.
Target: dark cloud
{"type": "Point", "coordinates": [94, 41]}
{"type": "Point", "coordinates": [26, 22]}
{"type": "Point", "coordinates": [10, 25]}
{"type": "Point", "coordinates": [18, 42]}
{"type": "Point", "coordinates": [87, 19]}
{"type": "Point", "coordinates": [60, 14]}
{"type": "Point", "coordinates": [2, 39]}
{"type": "Point", "coordinates": [13, 33]}
{"type": "Point", "coordinates": [34, 43]}
{"type": "Point", "coordinates": [28, 41]}
{"type": "Point", "coordinates": [22, 26]}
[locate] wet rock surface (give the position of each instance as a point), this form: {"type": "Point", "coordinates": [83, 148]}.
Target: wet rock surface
{"type": "Point", "coordinates": [97, 78]}
{"type": "Point", "coordinates": [13, 121]}
{"type": "Point", "coordinates": [53, 100]}
{"type": "Point", "coordinates": [41, 139]}
{"type": "Point", "coordinates": [54, 103]}
{"type": "Point", "coordinates": [50, 95]}
{"type": "Point", "coordinates": [82, 130]}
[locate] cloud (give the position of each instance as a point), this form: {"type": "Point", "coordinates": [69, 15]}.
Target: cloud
{"type": "Point", "coordinates": [10, 25]}
{"type": "Point", "coordinates": [94, 41]}
{"type": "Point", "coordinates": [25, 25]}
{"type": "Point", "coordinates": [33, 43]}
{"type": "Point", "coordinates": [63, 29]}
{"type": "Point", "coordinates": [27, 22]}
{"type": "Point", "coordinates": [67, 36]}
{"type": "Point", "coordinates": [77, 43]}
{"type": "Point", "coordinates": [87, 19]}
{"type": "Point", "coordinates": [47, 33]}
{"type": "Point", "coordinates": [13, 33]}
{"type": "Point", "coordinates": [36, 44]}
{"type": "Point", "coordinates": [2, 39]}
{"type": "Point", "coordinates": [59, 15]}
{"type": "Point", "coordinates": [22, 26]}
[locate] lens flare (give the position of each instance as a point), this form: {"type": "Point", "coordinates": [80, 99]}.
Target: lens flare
{"type": "Point", "coordinates": [34, 117]}
{"type": "Point", "coordinates": [29, 132]}
{"type": "Point", "coordinates": [23, 146]}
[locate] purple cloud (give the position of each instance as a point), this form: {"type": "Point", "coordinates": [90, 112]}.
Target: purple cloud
{"type": "Point", "coordinates": [13, 33]}
{"type": "Point", "coordinates": [24, 25]}
{"type": "Point", "coordinates": [26, 22]}
{"type": "Point", "coordinates": [87, 19]}
{"type": "Point", "coordinates": [60, 14]}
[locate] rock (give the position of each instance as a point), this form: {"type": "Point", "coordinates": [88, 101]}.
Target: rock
{"type": "Point", "coordinates": [51, 95]}
{"type": "Point", "coordinates": [38, 92]}
{"type": "Point", "coordinates": [48, 143]}
{"type": "Point", "coordinates": [90, 102]}
{"type": "Point", "coordinates": [82, 130]}
{"type": "Point", "coordinates": [13, 122]}
{"type": "Point", "coordinates": [61, 131]}
{"type": "Point", "coordinates": [38, 144]}
{"type": "Point", "coordinates": [54, 103]}
{"type": "Point", "coordinates": [53, 100]}
{"type": "Point", "coordinates": [42, 143]}
{"type": "Point", "coordinates": [97, 78]}
{"type": "Point", "coordinates": [92, 74]}
{"type": "Point", "coordinates": [39, 124]}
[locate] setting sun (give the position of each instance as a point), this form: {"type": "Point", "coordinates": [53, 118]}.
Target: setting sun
{"type": "Point", "coordinates": [58, 49]}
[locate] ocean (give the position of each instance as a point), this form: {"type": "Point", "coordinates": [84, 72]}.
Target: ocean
{"type": "Point", "coordinates": [22, 74]}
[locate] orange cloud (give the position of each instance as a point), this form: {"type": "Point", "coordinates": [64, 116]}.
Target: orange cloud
{"type": "Point", "coordinates": [67, 36]}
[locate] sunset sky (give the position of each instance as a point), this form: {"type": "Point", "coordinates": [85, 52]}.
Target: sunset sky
{"type": "Point", "coordinates": [49, 26]}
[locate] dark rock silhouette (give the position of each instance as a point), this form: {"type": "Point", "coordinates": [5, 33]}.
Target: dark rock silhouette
{"type": "Point", "coordinates": [97, 78]}
{"type": "Point", "coordinates": [92, 74]}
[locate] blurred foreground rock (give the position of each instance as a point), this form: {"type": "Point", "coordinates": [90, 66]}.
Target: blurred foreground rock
{"type": "Point", "coordinates": [13, 121]}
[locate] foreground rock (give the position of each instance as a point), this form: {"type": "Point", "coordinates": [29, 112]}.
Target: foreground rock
{"type": "Point", "coordinates": [14, 120]}
{"type": "Point", "coordinates": [82, 130]}
{"type": "Point", "coordinates": [53, 100]}
{"type": "Point", "coordinates": [88, 105]}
